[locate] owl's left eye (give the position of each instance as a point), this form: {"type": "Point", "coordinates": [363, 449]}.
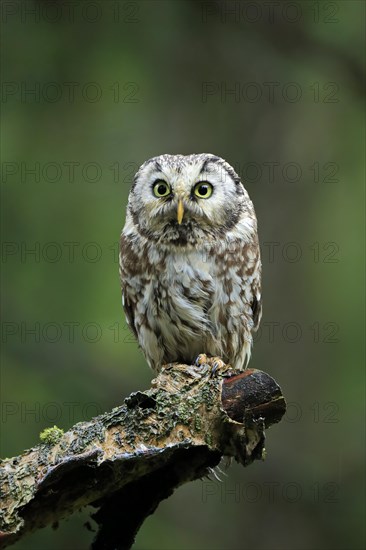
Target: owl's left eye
{"type": "Point", "coordinates": [203, 190]}
{"type": "Point", "coordinates": [161, 189]}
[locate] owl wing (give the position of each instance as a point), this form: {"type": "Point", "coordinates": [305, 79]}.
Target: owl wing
{"type": "Point", "coordinates": [129, 311]}
{"type": "Point", "coordinates": [254, 273]}
{"type": "Point", "coordinates": [128, 302]}
{"type": "Point", "coordinates": [256, 305]}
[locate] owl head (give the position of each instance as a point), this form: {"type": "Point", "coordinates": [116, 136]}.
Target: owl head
{"type": "Point", "coordinates": [186, 200]}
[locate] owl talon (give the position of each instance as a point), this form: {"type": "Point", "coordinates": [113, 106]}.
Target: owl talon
{"type": "Point", "coordinates": [215, 366]}
{"type": "Point", "coordinates": [201, 360]}
{"type": "Point", "coordinates": [216, 363]}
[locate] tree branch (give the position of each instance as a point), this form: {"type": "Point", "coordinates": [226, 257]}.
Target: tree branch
{"type": "Point", "coordinates": [126, 461]}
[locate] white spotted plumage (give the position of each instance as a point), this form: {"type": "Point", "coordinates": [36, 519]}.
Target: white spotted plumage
{"type": "Point", "coordinates": [191, 287]}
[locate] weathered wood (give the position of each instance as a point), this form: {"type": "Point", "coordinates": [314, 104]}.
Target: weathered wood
{"type": "Point", "coordinates": [253, 393]}
{"type": "Point", "coordinates": [126, 461]}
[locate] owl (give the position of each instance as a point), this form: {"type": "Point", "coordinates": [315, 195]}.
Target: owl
{"type": "Point", "coordinates": [190, 264]}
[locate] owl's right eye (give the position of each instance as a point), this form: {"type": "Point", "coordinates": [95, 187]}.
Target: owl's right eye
{"type": "Point", "coordinates": [161, 189]}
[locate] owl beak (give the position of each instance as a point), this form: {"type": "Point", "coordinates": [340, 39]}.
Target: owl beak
{"type": "Point", "coordinates": [180, 211]}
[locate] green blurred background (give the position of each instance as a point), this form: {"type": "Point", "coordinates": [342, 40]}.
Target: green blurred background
{"type": "Point", "coordinates": [276, 89]}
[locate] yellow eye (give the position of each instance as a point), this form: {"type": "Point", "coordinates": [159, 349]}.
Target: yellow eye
{"type": "Point", "coordinates": [161, 189]}
{"type": "Point", "coordinates": [203, 190]}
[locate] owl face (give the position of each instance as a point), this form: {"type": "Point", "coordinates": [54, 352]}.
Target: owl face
{"type": "Point", "coordinates": [181, 200]}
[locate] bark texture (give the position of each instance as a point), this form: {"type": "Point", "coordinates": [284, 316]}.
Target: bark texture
{"type": "Point", "coordinates": [126, 461]}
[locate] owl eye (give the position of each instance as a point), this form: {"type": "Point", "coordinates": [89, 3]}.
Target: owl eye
{"type": "Point", "coordinates": [203, 190]}
{"type": "Point", "coordinates": [161, 189]}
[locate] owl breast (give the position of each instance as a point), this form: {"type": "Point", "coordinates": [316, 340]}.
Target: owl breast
{"type": "Point", "coordinates": [186, 304]}
{"type": "Point", "coordinates": [183, 295]}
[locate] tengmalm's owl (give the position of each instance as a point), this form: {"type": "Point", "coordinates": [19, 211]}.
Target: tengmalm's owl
{"type": "Point", "coordinates": [190, 263]}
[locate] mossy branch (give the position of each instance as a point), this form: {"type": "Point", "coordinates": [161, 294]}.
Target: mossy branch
{"type": "Point", "coordinates": [126, 461]}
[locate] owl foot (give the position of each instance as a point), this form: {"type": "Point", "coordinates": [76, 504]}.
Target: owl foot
{"type": "Point", "coordinates": [202, 359]}
{"type": "Point", "coordinates": [216, 364]}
